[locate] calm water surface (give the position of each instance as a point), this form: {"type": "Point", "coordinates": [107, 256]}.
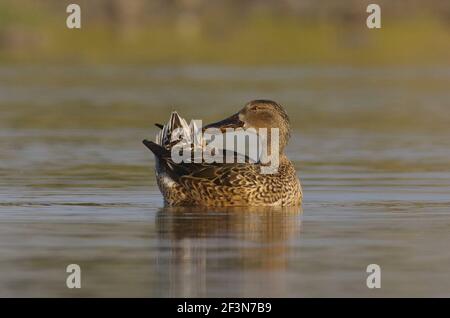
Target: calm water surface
{"type": "Point", "coordinates": [77, 186]}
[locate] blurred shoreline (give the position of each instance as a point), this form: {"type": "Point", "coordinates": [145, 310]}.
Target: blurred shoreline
{"type": "Point", "coordinates": [136, 32]}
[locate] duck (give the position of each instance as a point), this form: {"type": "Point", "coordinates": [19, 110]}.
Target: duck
{"type": "Point", "coordinates": [241, 183]}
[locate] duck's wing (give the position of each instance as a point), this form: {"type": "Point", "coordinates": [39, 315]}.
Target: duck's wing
{"type": "Point", "coordinates": [217, 173]}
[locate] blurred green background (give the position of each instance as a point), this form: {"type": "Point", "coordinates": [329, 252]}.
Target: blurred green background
{"type": "Point", "coordinates": [251, 32]}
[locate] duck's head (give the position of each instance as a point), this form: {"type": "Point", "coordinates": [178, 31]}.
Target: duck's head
{"type": "Point", "coordinates": [259, 114]}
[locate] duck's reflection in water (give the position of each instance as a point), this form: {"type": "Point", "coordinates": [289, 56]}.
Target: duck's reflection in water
{"type": "Point", "coordinates": [242, 247]}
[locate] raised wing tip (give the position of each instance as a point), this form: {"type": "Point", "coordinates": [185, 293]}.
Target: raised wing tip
{"type": "Point", "coordinates": [145, 142]}
{"type": "Point", "coordinates": [157, 150]}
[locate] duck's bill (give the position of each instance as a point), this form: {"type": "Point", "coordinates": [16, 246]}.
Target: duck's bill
{"type": "Point", "coordinates": [230, 122]}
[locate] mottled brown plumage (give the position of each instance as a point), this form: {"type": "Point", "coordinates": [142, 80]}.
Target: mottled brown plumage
{"type": "Point", "coordinates": [230, 184]}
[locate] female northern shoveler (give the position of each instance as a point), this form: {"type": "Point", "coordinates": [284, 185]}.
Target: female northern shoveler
{"type": "Point", "coordinates": [229, 184]}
